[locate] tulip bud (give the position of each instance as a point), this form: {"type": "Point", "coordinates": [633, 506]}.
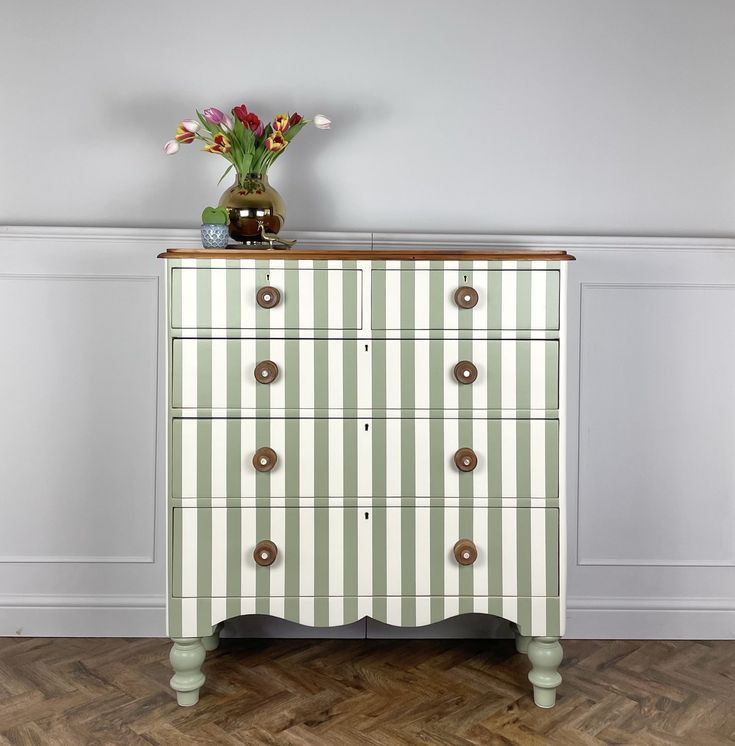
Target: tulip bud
{"type": "Point", "coordinates": [171, 147]}
{"type": "Point", "coordinates": [214, 116]}
{"type": "Point", "coordinates": [226, 123]}
{"type": "Point", "coordinates": [190, 125]}
{"type": "Point", "coordinates": [321, 122]}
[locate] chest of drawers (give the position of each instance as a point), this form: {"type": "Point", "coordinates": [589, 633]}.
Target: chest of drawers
{"type": "Point", "coordinates": [363, 434]}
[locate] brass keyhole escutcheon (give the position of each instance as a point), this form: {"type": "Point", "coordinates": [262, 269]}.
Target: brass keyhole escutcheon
{"type": "Point", "coordinates": [465, 372]}
{"type": "Point", "coordinates": [465, 459]}
{"type": "Point", "coordinates": [266, 371]}
{"type": "Point", "coordinates": [265, 553]}
{"type": "Point", "coordinates": [466, 297]}
{"type": "Point", "coordinates": [268, 297]}
{"type": "Point", "coordinates": [264, 459]}
{"type": "Point", "coordinates": [465, 551]}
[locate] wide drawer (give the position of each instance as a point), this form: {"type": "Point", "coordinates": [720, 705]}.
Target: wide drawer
{"type": "Point", "coordinates": [351, 374]}
{"type": "Point", "coordinates": [443, 299]}
{"type": "Point", "coordinates": [364, 457]}
{"type": "Point", "coordinates": [386, 551]}
{"type": "Point", "coordinates": [265, 298]}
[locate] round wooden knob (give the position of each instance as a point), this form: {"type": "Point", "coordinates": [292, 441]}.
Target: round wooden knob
{"type": "Point", "coordinates": [465, 372]}
{"type": "Point", "coordinates": [268, 297]}
{"type": "Point", "coordinates": [465, 459]}
{"type": "Point", "coordinates": [264, 459]}
{"type": "Point", "coordinates": [466, 297]}
{"type": "Point", "coordinates": [266, 371]}
{"type": "Point", "coordinates": [465, 551]}
{"type": "Point", "coordinates": [265, 553]}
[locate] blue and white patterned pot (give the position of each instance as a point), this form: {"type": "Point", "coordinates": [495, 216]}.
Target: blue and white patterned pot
{"type": "Point", "coordinates": [215, 236]}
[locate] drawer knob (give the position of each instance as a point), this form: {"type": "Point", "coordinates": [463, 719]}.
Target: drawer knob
{"type": "Point", "coordinates": [465, 372]}
{"type": "Point", "coordinates": [466, 297]}
{"type": "Point", "coordinates": [465, 551]}
{"type": "Point", "coordinates": [265, 553]}
{"type": "Point", "coordinates": [465, 459]}
{"type": "Point", "coordinates": [268, 297]}
{"type": "Point", "coordinates": [264, 459]}
{"type": "Point", "coordinates": [266, 371]}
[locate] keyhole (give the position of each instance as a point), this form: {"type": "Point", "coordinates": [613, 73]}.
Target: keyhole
{"type": "Point", "coordinates": [267, 277]}
{"type": "Point", "coordinates": [465, 278]}
{"type": "Point", "coordinates": [367, 516]}
{"type": "Point", "coordinates": [366, 348]}
{"type": "Point", "coordinates": [366, 427]}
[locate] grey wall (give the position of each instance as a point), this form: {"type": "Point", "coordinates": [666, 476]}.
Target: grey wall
{"type": "Point", "coordinates": [555, 116]}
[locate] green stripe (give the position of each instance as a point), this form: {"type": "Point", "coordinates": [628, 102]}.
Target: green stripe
{"type": "Point", "coordinates": [552, 300]}
{"type": "Point", "coordinates": [551, 522]}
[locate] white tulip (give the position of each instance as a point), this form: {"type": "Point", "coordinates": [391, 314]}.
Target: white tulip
{"type": "Point", "coordinates": [321, 122]}
{"type": "Point", "coordinates": [171, 147]}
{"type": "Point", "coordinates": [190, 125]}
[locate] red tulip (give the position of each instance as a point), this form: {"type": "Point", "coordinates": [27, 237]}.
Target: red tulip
{"type": "Point", "coordinates": [280, 123]}
{"type": "Point", "coordinates": [241, 112]}
{"type": "Point", "coordinates": [295, 118]}
{"type": "Point", "coordinates": [253, 121]}
{"type": "Point", "coordinates": [184, 135]}
{"type": "Point", "coordinates": [220, 145]}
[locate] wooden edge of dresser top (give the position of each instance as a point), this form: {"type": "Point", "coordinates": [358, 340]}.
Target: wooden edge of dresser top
{"type": "Point", "coordinates": [512, 255]}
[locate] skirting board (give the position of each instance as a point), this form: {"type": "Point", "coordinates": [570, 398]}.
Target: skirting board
{"type": "Point", "coordinates": [144, 616]}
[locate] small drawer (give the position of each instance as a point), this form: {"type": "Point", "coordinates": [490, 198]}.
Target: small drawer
{"type": "Point", "coordinates": [265, 298]}
{"type": "Point", "coordinates": [364, 457]}
{"type": "Point", "coordinates": [362, 551]}
{"type": "Point", "coordinates": [482, 300]}
{"type": "Point", "coordinates": [366, 374]}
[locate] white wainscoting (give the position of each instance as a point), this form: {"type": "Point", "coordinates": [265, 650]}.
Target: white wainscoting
{"type": "Point", "coordinates": [651, 446]}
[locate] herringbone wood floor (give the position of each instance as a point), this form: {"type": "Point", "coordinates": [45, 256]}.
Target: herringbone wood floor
{"type": "Point", "coordinates": [115, 691]}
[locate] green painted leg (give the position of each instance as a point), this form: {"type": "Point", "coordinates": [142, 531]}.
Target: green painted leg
{"type": "Point", "coordinates": [521, 640]}
{"type": "Point", "coordinates": [187, 656]}
{"type": "Point", "coordinates": [211, 642]}
{"type": "Point", "coordinates": [545, 654]}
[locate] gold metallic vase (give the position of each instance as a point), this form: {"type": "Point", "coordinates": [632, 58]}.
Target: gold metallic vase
{"type": "Point", "coordinates": [256, 210]}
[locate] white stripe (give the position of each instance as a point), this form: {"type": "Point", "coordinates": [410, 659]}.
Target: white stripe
{"type": "Point", "coordinates": [248, 447]}
{"type": "Point", "coordinates": [423, 611]}
{"type": "Point", "coordinates": [336, 612]}
{"type": "Point", "coordinates": [188, 518]}
{"type": "Point", "coordinates": [188, 280]}
{"type": "Point", "coordinates": [335, 485]}
{"type": "Point", "coordinates": [249, 540]}
{"type": "Point", "coordinates": [509, 552]}
{"type": "Point", "coordinates": [538, 458]}
{"type": "Point", "coordinates": [451, 445]}
{"type": "Point", "coordinates": [480, 569]}
{"type": "Point", "coordinates": [218, 378]}
{"type": "Point", "coordinates": [218, 296]}
{"type": "Point", "coordinates": [393, 610]}
{"type": "Point", "coordinates": [337, 514]}
{"type": "Point", "coordinates": [189, 620]}
{"type": "Point", "coordinates": [451, 536]}
{"type": "Point", "coordinates": [538, 551]}
{"type": "Point", "coordinates": [335, 357]}
{"type": "Point", "coordinates": [219, 552]}
{"type": "Point", "coordinates": [365, 555]}
{"type": "Point", "coordinates": [306, 611]}
{"type": "Point", "coordinates": [188, 358]}
{"type": "Point", "coordinates": [393, 457]}
{"type": "Point", "coordinates": [508, 458]}
{"type": "Point", "coordinates": [335, 312]}
{"type": "Point", "coordinates": [480, 386]}
{"type": "Point", "coordinates": [538, 300]}
{"type": "Point", "coordinates": [510, 610]}
{"type": "Point", "coordinates": [188, 457]}
{"type": "Point", "coordinates": [306, 551]}
{"type": "Point", "coordinates": [393, 551]}
{"type": "Point", "coordinates": [277, 572]}
{"type": "Point", "coordinates": [307, 446]}
{"type": "Point", "coordinates": [422, 443]}
{"type": "Point", "coordinates": [538, 617]}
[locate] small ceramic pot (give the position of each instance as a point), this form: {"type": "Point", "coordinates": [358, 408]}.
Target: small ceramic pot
{"type": "Point", "coordinates": [215, 236]}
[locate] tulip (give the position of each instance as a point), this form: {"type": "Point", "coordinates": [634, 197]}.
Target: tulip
{"type": "Point", "coordinates": [258, 131]}
{"type": "Point", "coordinates": [253, 122]}
{"type": "Point", "coordinates": [280, 123]}
{"type": "Point", "coordinates": [220, 145]}
{"type": "Point", "coordinates": [171, 147]}
{"type": "Point", "coordinates": [321, 122]}
{"type": "Point", "coordinates": [226, 123]}
{"type": "Point", "coordinates": [295, 118]}
{"type": "Point", "coordinates": [275, 142]}
{"type": "Point", "coordinates": [241, 112]}
{"type": "Point", "coordinates": [184, 135]}
{"type": "Point", "coordinates": [214, 116]}
{"type": "Point", "coordinates": [190, 124]}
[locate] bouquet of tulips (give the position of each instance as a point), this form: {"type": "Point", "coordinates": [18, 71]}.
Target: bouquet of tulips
{"type": "Point", "coordinates": [243, 139]}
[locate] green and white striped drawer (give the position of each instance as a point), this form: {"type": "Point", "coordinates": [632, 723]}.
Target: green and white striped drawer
{"type": "Point", "coordinates": [363, 457]}
{"type": "Point", "coordinates": [386, 551]}
{"type": "Point", "coordinates": [210, 294]}
{"type": "Point", "coordinates": [371, 374]}
{"type": "Point", "coordinates": [405, 297]}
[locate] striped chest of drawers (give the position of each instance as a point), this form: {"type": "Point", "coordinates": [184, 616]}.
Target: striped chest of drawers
{"type": "Point", "coordinates": [362, 434]}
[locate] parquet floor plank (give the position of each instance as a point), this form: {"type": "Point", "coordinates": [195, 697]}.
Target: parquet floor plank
{"type": "Point", "coordinates": [105, 692]}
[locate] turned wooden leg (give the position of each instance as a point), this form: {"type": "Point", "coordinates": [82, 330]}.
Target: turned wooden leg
{"type": "Point", "coordinates": [211, 642]}
{"type": "Point", "coordinates": [187, 656]}
{"type": "Point", "coordinates": [545, 654]}
{"type": "Point", "coordinates": [521, 640]}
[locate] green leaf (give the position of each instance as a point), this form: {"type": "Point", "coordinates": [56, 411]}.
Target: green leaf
{"type": "Point", "coordinates": [212, 128]}
{"type": "Point", "coordinates": [291, 132]}
{"type": "Point", "coordinates": [215, 215]}
{"type": "Point", "coordinates": [227, 171]}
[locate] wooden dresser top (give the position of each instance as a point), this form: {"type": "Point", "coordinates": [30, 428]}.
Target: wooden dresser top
{"type": "Point", "coordinates": [513, 255]}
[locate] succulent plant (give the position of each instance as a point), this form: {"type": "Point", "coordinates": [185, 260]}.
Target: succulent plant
{"type": "Point", "coordinates": [215, 216]}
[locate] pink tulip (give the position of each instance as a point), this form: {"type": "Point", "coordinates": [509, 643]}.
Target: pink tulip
{"type": "Point", "coordinates": [214, 116]}
{"type": "Point", "coordinates": [321, 122]}
{"type": "Point", "coordinates": [171, 147]}
{"type": "Point", "coordinates": [191, 125]}
{"type": "Point", "coordinates": [226, 123]}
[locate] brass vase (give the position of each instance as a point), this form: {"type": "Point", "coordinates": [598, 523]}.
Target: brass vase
{"type": "Point", "coordinates": [256, 210]}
